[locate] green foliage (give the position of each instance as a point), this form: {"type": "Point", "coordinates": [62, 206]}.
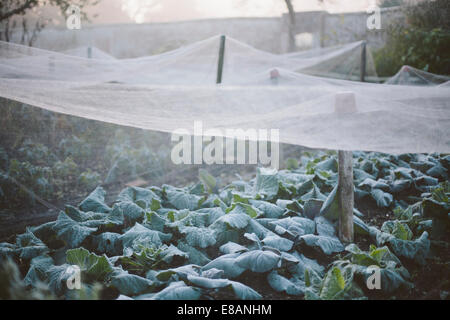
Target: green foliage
{"type": "Point", "coordinates": [440, 193]}
{"type": "Point", "coordinates": [36, 153]}
{"type": "Point", "coordinates": [437, 206]}
{"type": "Point", "coordinates": [93, 267]}
{"type": "Point", "coordinates": [89, 179]}
{"type": "Point", "coordinates": [65, 169]}
{"type": "Point", "coordinates": [95, 201]}
{"type": "Point", "coordinates": [398, 229]}
{"type": "Point", "coordinates": [71, 232]}
{"type": "Point", "coordinates": [24, 182]}
{"type": "Point", "coordinates": [291, 164]}
{"type": "Point", "coordinates": [208, 180]}
{"type": "Point", "coordinates": [13, 288]}
{"type": "Point", "coordinates": [258, 261]}
{"type": "Point", "coordinates": [146, 258]}
{"type": "Point", "coordinates": [76, 148]}
{"type": "Point", "coordinates": [359, 265]}
{"type": "Point", "coordinates": [279, 228]}
{"type": "Point", "coordinates": [422, 40]}
{"type": "Point", "coordinates": [130, 284]}
{"type": "Point", "coordinates": [63, 157]}
{"type": "Point", "coordinates": [178, 291]}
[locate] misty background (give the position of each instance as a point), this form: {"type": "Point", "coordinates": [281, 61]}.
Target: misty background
{"type": "Point", "coordinates": [148, 11]}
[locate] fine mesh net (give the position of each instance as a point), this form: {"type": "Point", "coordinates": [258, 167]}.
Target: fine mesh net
{"type": "Point", "coordinates": [88, 173]}
{"type": "Point", "coordinates": [339, 62]}
{"type": "Point", "coordinates": [259, 90]}
{"type": "Point", "coordinates": [193, 64]}
{"type": "Point", "coordinates": [411, 76]}
{"type": "Point", "coordinates": [88, 52]}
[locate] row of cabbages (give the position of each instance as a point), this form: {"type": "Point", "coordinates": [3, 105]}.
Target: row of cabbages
{"type": "Point", "coordinates": [203, 242]}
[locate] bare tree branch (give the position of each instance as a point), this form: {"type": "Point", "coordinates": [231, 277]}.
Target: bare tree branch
{"type": "Point", "coordinates": [291, 25]}
{"type": "Point", "coordinates": [10, 9]}
{"type": "Point", "coordinates": [28, 4]}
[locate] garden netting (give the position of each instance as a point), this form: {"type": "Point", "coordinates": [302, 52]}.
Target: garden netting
{"type": "Point", "coordinates": [74, 144]}
{"type": "Point", "coordinates": [259, 90]}
{"type": "Point", "coordinates": [408, 75]}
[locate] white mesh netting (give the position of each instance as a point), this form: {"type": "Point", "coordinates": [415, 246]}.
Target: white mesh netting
{"type": "Point", "coordinates": [259, 90]}
{"type": "Point", "coordinates": [411, 76]}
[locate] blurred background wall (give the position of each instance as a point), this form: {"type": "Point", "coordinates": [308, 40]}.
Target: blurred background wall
{"type": "Point", "coordinates": [312, 29]}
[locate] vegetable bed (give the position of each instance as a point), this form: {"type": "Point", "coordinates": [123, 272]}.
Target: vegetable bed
{"type": "Point", "coordinates": [273, 237]}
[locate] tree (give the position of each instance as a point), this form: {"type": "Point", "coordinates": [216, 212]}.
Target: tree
{"type": "Point", "coordinates": [291, 24]}
{"type": "Point", "coordinates": [291, 13]}
{"type": "Point", "coordinates": [421, 40]}
{"type": "Point", "coordinates": [14, 12]}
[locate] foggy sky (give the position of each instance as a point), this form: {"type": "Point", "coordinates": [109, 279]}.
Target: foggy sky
{"type": "Point", "coordinates": [141, 11]}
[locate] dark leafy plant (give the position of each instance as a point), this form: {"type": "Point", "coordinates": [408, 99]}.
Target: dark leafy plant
{"type": "Point", "coordinates": [421, 40]}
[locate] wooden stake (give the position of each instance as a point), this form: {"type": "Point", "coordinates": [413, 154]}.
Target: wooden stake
{"type": "Point", "coordinates": [346, 197]}
{"type": "Point", "coordinates": [345, 103]}
{"type": "Point", "coordinates": [221, 59]}
{"type": "Point", "coordinates": [363, 62]}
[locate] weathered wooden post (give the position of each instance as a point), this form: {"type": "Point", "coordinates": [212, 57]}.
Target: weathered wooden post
{"type": "Point", "coordinates": [345, 103]}
{"type": "Point", "coordinates": [362, 74]}
{"type": "Point", "coordinates": [346, 196]}
{"type": "Point", "coordinates": [221, 59]}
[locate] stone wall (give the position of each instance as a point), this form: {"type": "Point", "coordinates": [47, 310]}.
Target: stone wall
{"type": "Point", "coordinates": [332, 29]}
{"type": "Point", "coordinates": [269, 34]}
{"type": "Point", "coordinates": [133, 40]}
